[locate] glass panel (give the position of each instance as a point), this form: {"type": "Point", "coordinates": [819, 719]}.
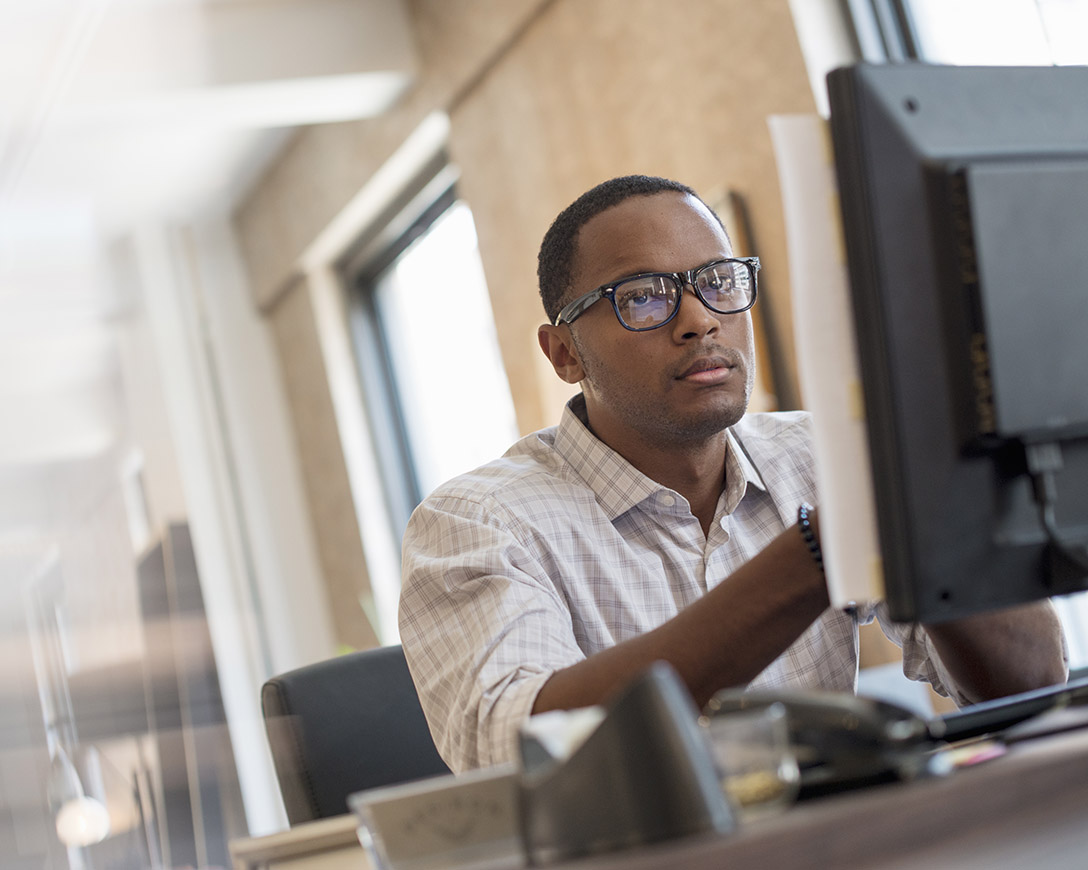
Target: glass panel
{"type": "Point", "coordinates": [1066, 24]}
{"type": "Point", "coordinates": [436, 315]}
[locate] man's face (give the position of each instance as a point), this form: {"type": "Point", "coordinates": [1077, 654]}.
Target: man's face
{"type": "Point", "coordinates": [678, 384]}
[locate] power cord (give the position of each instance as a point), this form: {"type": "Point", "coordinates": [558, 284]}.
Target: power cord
{"type": "Point", "coordinates": [1044, 461]}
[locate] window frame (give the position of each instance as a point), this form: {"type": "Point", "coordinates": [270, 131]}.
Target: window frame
{"type": "Point", "coordinates": [410, 216]}
{"type": "Point", "coordinates": [884, 30]}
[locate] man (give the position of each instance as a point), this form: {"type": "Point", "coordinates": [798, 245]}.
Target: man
{"type": "Point", "coordinates": [658, 520]}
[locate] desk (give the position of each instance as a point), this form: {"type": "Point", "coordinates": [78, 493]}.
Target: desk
{"type": "Point", "coordinates": [1028, 808]}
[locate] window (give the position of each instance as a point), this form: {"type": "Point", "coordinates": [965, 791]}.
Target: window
{"type": "Point", "coordinates": [433, 378]}
{"type": "Point", "coordinates": [1002, 32]}
{"type": "Point", "coordinates": [974, 32]}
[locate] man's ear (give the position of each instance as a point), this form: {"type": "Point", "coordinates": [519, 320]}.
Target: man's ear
{"type": "Point", "coordinates": [558, 347]}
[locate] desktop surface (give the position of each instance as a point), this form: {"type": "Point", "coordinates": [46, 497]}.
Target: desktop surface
{"type": "Point", "coordinates": [1022, 808]}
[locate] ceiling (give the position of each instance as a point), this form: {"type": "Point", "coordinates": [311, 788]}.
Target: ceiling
{"type": "Point", "coordinates": [117, 114]}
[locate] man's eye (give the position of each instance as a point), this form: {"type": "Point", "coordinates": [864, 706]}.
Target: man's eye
{"type": "Point", "coordinates": [635, 296]}
{"type": "Point", "coordinates": [720, 285]}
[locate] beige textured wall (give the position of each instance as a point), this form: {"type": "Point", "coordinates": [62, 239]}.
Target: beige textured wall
{"type": "Point", "coordinates": [546, 98]}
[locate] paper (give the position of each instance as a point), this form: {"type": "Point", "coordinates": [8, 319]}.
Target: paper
{"type": "Point", "coordinates": [561, 732]}
{"type": "Point", "coordinates": [827, 358]}
{"type": "Point", "coordinates": [464, 822]}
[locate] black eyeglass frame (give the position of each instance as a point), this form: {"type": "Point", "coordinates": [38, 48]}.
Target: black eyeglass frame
{"type": "Point", "coordinates": [575, 309]}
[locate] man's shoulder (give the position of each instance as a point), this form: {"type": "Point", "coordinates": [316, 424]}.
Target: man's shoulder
{"type": "Point", "coordinates": [775, 426]}
{"type": "Point", "coordinates": [530, 469]}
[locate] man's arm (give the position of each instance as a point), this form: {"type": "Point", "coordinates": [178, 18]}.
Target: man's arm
{"type": "Point", "coordinates": [724, 639]}
{"type": "Point", "coordinates": [991, 655]}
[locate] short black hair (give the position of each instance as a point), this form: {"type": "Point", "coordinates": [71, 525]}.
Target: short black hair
{"type": "Point", "coordinates": [556, 258]}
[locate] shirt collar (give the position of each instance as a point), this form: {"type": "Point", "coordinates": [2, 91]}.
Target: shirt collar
{"type": "Point", "coordinates": [739, 473]}
{"type": "Point", "coordinates": [618, 485]}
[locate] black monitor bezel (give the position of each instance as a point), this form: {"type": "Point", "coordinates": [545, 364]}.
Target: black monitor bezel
{"type": "Point", "coordinates": [957, 524]}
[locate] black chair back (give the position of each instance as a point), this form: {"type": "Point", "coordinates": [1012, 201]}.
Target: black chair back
{"type": "Point", "coordinates": [344, 725]}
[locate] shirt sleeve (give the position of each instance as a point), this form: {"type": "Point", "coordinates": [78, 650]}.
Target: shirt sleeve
{"type": "Point", "coordinates": [921, 661]}
{"type": "Point", "coordinates": [482, 625]}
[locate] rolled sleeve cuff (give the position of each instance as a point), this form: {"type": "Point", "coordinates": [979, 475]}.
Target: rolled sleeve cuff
{"type": "Point", "coordinates": [511, 709]}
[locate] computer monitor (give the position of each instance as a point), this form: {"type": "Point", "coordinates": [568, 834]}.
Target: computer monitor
{"type": "Point", "coordinates": [964, 195]}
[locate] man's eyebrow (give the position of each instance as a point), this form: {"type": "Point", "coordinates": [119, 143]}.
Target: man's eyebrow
{"type": "Point", "coordinates": [641, 272]}
{"type": "Point", "coordinates": [638, 273]}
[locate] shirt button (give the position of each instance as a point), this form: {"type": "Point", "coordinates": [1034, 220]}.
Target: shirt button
{"type": "Point", "coordinates": [668, 500]}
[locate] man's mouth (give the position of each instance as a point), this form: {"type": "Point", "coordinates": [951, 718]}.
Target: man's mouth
{"type": "Point", "coordinates": [707, 369]}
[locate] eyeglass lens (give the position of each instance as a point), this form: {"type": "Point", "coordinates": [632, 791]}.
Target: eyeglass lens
{"type": "Point", "coordinates": [650, 300]}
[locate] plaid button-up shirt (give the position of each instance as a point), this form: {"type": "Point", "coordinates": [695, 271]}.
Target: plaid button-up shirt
{"type": "Point", "coordinates": [561, 548]}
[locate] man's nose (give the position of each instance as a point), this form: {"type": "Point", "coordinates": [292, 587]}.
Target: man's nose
{"type": "Point", "coordinates": [694, 319]}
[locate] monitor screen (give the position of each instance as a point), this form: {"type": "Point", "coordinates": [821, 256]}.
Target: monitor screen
{"type": "Point", "coordinates": [964, 196]}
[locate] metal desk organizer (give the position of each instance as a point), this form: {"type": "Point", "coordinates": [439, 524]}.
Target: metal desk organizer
{"type": "Point", "coordinates": [646, 774]}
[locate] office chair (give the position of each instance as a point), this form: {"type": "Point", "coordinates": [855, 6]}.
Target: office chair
{"type": "Point", "coordinates": [343, 725]}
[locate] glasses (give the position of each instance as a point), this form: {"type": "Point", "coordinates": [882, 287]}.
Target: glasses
{"type": "Point", "coordinates": [652, 299]}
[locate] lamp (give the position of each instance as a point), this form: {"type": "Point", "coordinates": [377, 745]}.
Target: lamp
{"type": "Point", "coordinates": [81, 820]}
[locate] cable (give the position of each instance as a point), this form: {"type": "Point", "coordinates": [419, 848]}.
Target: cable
{"type": "Point", "coordinates": [1044, 461]}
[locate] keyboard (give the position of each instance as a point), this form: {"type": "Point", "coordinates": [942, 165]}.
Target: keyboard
{"type": "Point", "coordinates": [990, 717]}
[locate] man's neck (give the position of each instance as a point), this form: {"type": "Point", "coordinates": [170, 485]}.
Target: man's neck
{"type": "Point", "coordinates": [697, 473]}
{"type": "Point", "coordinates": [695, 470]}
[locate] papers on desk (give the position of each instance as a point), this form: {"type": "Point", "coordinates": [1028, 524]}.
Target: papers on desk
{"type": "Point", "coordinates": [558, 733]}
{"type": "Point", "coordinates": [467, 822]}
{"type": "Point", "coordinates": [971, 753]}
{"type": "Point", "coordinates": [827, 358]}
{"type": "Point", "coordinates": [325, 844]}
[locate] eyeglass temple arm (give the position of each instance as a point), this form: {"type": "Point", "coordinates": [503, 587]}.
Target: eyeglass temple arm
{"type": "Point", "coordinates": [577, 307]}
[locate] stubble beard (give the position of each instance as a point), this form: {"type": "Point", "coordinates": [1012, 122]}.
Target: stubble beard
{"type": "Point", "coordinates": [649, 418]}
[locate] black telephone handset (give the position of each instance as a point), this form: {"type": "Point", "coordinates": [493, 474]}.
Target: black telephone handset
{"type": "Point", "coordinates": [842, 741]}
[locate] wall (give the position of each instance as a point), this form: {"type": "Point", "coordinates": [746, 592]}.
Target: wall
{"type": "Point", "coordinates": [545, 98]}
{"type": "Point", "coordinates": [594, 90]}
